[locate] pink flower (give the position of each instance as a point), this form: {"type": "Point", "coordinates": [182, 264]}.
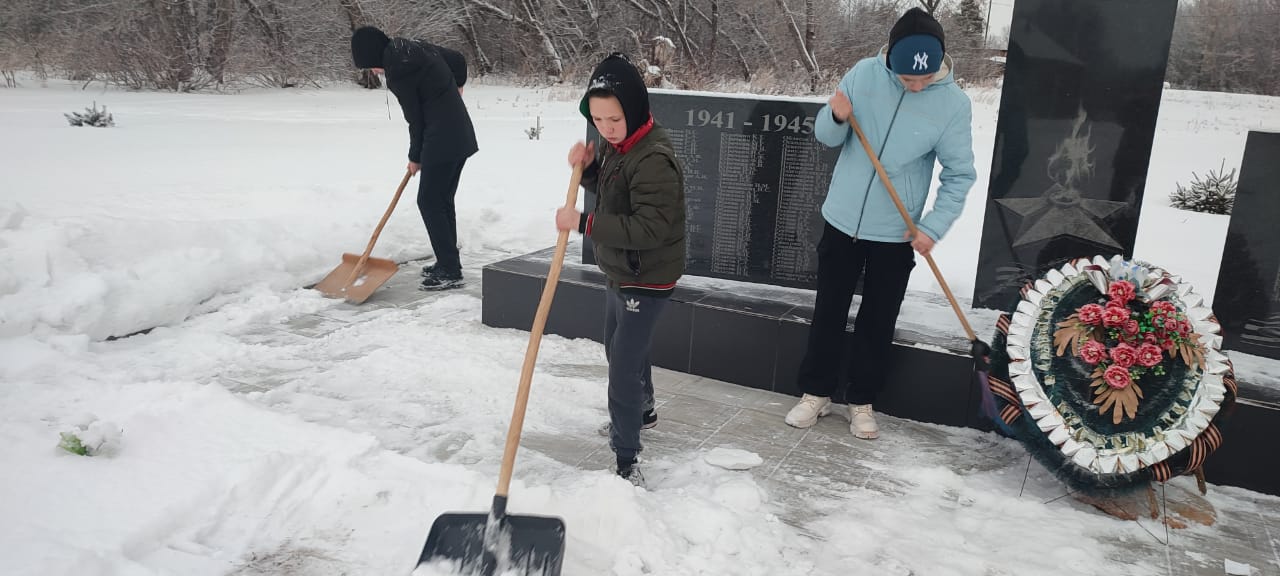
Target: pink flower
{"type": "Point", "coordinates": [1131, 327]}
{"type": "Point", "coordinates": [1150, 338]}
{"type": "Point", "coordinates": [1149, 355]}
{"type": "Point", "coordinates": [1093, 352]}
{"type": "Point", "coordinates": [1184, 328]}
{"type": "Point", "coordinates": [1091, 314]}
{"type": "Point", "coordinates": [1117, 377]}
{"type": "Point", "coordinates": [1121, 290]}
{"type": "Point", "coordinates": [1171, 324]}
{"type": "Point", "coordinates": [1115, 316]}
{"type": "Point", "coordinates": [1167, 344]}
{"type": "Point", "coordinates": [1163, 307]}
{"type": "Point", "coordinates": [1124, 355]}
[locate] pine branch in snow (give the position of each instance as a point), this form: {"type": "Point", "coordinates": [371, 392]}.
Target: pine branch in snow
{"type": "Point", "coordinates": [91, 117]}
{"type": "Point", "coordinates": [1213, 194]}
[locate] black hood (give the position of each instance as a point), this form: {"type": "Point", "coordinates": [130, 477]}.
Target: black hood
{"type": "Point", "coordinates": [367, 46]}
{"type": "Point", "coordinates": [617, 76]}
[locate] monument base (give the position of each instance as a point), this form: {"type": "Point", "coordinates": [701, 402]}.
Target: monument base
{"type": "Point", "coordinates": [754, 335]}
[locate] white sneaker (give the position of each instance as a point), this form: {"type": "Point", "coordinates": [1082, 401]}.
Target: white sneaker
{"type": "Point", "coordinates": [808, 410]}
{"type": "Point", "coordinates": [862, 422]}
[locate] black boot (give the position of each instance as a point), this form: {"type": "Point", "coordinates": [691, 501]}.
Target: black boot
{"type": "Point", "coordinates": [629, 470]}
{"type": "Point", "coordinates": [441, 280]}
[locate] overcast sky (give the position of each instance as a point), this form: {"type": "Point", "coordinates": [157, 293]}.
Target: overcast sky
{"type": "Point", "coordinates": [1001, 15]}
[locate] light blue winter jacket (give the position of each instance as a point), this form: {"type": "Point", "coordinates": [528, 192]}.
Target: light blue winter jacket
{"type": "Point", "coordinates": [908, 131]}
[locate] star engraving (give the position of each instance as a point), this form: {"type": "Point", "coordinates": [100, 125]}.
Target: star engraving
{"type": "Point", "coordinates": [1062, 210]}
{"type": "Point", "coordinates": [1063, 213]}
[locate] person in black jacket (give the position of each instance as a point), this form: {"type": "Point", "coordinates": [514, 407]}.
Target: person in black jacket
{"type": "Point", "coordinates": [427, 81]}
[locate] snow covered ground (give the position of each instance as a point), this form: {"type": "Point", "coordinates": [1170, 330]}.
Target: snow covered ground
{"type": "Point", "coordinates": [205, 214]}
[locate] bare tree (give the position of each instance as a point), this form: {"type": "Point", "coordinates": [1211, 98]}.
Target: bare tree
{"type": "Point", "coordinates": [1226, 45]}
{"type": "Point", "coordinates": [278, 67]}
{"type": "Point", "coordinates": [775, 45]}
{"type": "Point", "coordinates": [529, 21]}
{"type": "Point", "coordinates": [222, 34]}
{"type": "Point", "coordinates": [804, 41]}
{"type": "Point", "coordinates": [468, 28]}
{"type": "Point", "coordinates": [358, 18]}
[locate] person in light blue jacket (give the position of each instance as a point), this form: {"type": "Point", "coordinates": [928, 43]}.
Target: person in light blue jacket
{"type": "Point", "coordinates": [907, 103]}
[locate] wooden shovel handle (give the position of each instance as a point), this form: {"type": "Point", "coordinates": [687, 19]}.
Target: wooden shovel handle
{"type": "Point", "coordinates": [535, 338]}
{"type": "Point", "coordinates": [911, 225]}
{"type": "Point", "coordinates": [355, 272]}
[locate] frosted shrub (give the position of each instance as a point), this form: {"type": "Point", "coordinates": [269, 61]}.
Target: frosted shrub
{"type": "Point", "coordinates": [1213, 194]}
{"type": "Point", "coordinates": [91, 117]}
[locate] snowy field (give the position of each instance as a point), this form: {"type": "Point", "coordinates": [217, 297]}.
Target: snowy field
{"type": "Point", "coordinates": [205, 214]}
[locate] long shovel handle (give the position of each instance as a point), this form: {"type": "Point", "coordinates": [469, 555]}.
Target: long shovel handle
{"type": "Point", "coordinates": [535, 338]}
{"type": "Point", "coordinates": [911, 225]}
{"type": "Point", "coordinates": [355, 272]}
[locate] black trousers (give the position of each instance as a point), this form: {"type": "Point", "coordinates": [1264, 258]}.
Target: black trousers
{"type": "Point", "coordinates": [437, 185]}
{"type": "Point", "coordinates": [629, 321]}
{"type": "Point", "coordinates": [885, 268]}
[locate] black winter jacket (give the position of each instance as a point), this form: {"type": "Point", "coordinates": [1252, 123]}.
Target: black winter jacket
{"type": "Point", "coordinates": [426, 85]}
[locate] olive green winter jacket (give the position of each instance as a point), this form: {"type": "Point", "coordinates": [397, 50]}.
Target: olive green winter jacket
{"type": "Point", "coordinates": [637, 226]}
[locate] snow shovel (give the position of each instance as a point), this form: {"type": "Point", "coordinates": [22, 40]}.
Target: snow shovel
{"type": "Point", "coordinates": [981, 351]}
{"type": "Point", "coordinates": [358, 276]}
{"type": "Point", "coordinates": [496, 541]}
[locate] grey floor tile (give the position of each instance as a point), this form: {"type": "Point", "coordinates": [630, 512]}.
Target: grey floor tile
{"type": "Point", "coordinates": [1269, 516]}
{"type": "Point", "coordinates": [665, 380]}
{"type": "Point", "coordinates": [313, 325]}
{"type": "Point", "coordinates": [840, 447]}
{"type": "Point", "coordinates": [675, 434]}
{"type": "Point", "coordinates": [751, 428]}
{"type": "Point", "coordinates": [717, 391]}
{"type": "Point", "coordinates": [801, 469]}
{"type": "Point", "coordinates": [567, 449]}
{"type": "Point", "coordinates": [771, 403]}
{"type": "Point", "coordinates": [696, 411]}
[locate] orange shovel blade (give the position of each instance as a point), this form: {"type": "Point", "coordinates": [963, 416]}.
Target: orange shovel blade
{"type": "Point", "coordinates": [375, 273]}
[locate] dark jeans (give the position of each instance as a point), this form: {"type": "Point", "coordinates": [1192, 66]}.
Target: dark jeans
{"type": "Point", "coordinates": [885, 268]}
{"type": "Point", "coordinates": [437, 185]}
{"type": "Point", "coordinates": [629, 321]}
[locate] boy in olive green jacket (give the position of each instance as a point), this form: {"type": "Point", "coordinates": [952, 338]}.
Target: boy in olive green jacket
{"type": "Point", "coordinates": [637, 234]}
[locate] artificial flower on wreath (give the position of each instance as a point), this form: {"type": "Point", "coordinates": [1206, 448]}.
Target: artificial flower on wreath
{"type": "Point", "coordinates": [1125, 335]}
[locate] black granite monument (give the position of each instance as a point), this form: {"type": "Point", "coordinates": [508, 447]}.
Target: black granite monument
{"type": "Point", "coordinates": [755, 180]}
{"type": "Point", "coordinates": [1247, 298]}
{"type": "Point", "coordinates": [1081, 93]}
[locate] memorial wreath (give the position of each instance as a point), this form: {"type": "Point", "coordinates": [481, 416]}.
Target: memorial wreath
{"type": "Point", "coordinates": [1110, 372]}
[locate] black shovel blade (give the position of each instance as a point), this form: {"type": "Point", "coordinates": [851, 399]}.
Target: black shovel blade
{"type": "Point", "coordinates": [528, 544]}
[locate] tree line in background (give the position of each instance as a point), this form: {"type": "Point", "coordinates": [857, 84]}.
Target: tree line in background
{"type": "Point", "coordinates": [792, 46]}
